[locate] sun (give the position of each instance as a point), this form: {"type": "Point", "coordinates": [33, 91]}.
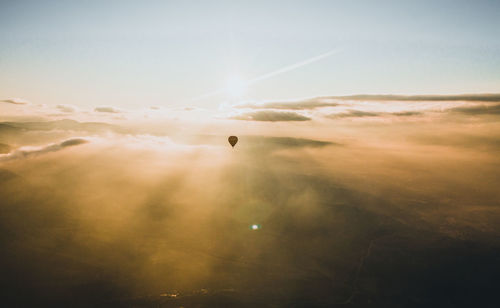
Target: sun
{"type": "Point", "coordinates": [235, 86]}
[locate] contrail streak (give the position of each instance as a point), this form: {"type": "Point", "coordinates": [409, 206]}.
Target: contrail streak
{"type": "Point", "coordinates": [292, 67]}
{"type": "Point", "coordinates": [274, 73]}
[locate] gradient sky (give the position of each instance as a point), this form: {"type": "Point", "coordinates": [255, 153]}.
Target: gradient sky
{"type": "Point", "coordinates": [134, 54]}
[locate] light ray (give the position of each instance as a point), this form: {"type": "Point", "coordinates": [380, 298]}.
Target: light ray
{"type": "Point", "coordinates": [292, 67]}
{"type": "Point", "coordinates": [273, 73]}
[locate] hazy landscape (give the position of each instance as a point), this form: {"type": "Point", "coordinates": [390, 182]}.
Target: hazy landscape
{"type": "Point", "coordinates": [356, 207]}
{"type": "Point", "coordinates": [189, 154]}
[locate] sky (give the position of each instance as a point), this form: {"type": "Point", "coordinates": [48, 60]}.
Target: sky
{"type": "Point", "coordinates": [131, 54]}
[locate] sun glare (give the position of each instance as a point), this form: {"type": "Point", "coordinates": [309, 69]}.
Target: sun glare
{"type": "Point", "coordinates": [235, 86]}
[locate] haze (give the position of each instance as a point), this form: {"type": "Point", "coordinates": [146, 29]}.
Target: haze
{"type": "Point", "coordinates": [366, 171]}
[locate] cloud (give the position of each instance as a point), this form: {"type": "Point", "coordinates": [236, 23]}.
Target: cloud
{"type": "Point", "coordinates": [30, 152]}
{"type": "Point", "coordinates": [406, 113]}
{"type": "Point", "coordinates": [64, 124]}
{"type": "Point", "coordinates": [15, 101]}
{"type": "Point", "coordinates": [266, 144]}
{"type": "Point", "coordinates": [271, 116]}
{"type": "Point", "coordinates": [295, 105]}
{"type": "Point", "coordinates": [360, 113]}
{"type": "Point", "coordinates": [333, 101]}
{"type": "Point", "coordinates": [107, 109]}
{"type": "Point", "coordinates": [355, 113]}
{"type": "Point", "coordinates": [331, 217]}
{"type": "Point", "coordinates": [463, 140]}
{"type": "Point", "coordinates": [478, 110]}
{"type": "Point", "coordinates": [460, 97]}
{"type": "Point", "coordinates": [66, 108]}
{"type": "Point", "coordinates": [72, 142]}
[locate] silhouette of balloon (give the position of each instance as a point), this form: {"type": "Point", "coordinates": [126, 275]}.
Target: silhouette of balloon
{"type": "Point", "coordinates": [232, 140]}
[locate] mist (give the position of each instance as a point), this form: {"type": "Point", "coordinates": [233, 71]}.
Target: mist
{"type": "Point", "coordinates": [376, 210]}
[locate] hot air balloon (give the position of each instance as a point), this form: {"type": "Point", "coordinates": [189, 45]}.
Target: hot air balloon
{"type": "Point", "coordinates": [232, 140]}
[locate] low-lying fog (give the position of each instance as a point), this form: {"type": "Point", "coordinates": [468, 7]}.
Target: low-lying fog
{"type": "Point", "coordinates": [357, 207]}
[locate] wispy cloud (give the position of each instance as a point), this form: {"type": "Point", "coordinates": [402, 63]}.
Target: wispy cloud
{"type": "Point", "coordinates": [271, 116]}
{"type": "Point", "coordinates": [359, 114]}
{"type": "Point", "coordinates": [463, 140]}
{"type": "Point", "coordinates": [478, 110]}
{"type": "Point", "coordinates": [290, 105]}
{"type": "Point", "coordinates": [15, 101]}
{"type": "Point", "coordinates": [354, 113]}
{"type": "Point", "coordinates": [27, 152]}
{"type": "Point", "coordinates": [495, 97]}
{"type": "Point", "coordinates": [62, 125]}
{"type": "Point", "coordinates": [66, 108]}
{"type": "Point", "coordinates": [107, 109]}
{"type": "Point", "coordinates": [335, 101]}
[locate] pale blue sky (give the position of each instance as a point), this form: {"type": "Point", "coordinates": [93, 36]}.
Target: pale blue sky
{"type": "Point", "coordinates": [140, 53]}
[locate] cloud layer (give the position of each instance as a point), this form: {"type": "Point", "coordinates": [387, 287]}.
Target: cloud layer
{"type": "Point", "coordinates": [361, 114]}
{"type": "Point", "coordinates": [32, 152]}
{"type": "Point", "coordinates": [107, 109]}
{"type": "Point", "coordinates": [478, 110]}
{"type": "Point", "coordinates": [128, 221]}
{"type": "Point", "coordinates": [66, 108]}
{"type": "Point", "coordinates": [292, 105]}
{"type": "Point", "coordinates": [159, 214]}
{"type": "Point", "coordinates": [375, 106]}
{"type": "Point", "coordinates": [15, 101]}
{"type": "Point", "coordinates": [271, 116]}
{"type": "Point", "coordinates": [460, 97]}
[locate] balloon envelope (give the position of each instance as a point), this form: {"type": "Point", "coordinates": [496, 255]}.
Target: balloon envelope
{"type": "Point", "coordinates": [232, 140]}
